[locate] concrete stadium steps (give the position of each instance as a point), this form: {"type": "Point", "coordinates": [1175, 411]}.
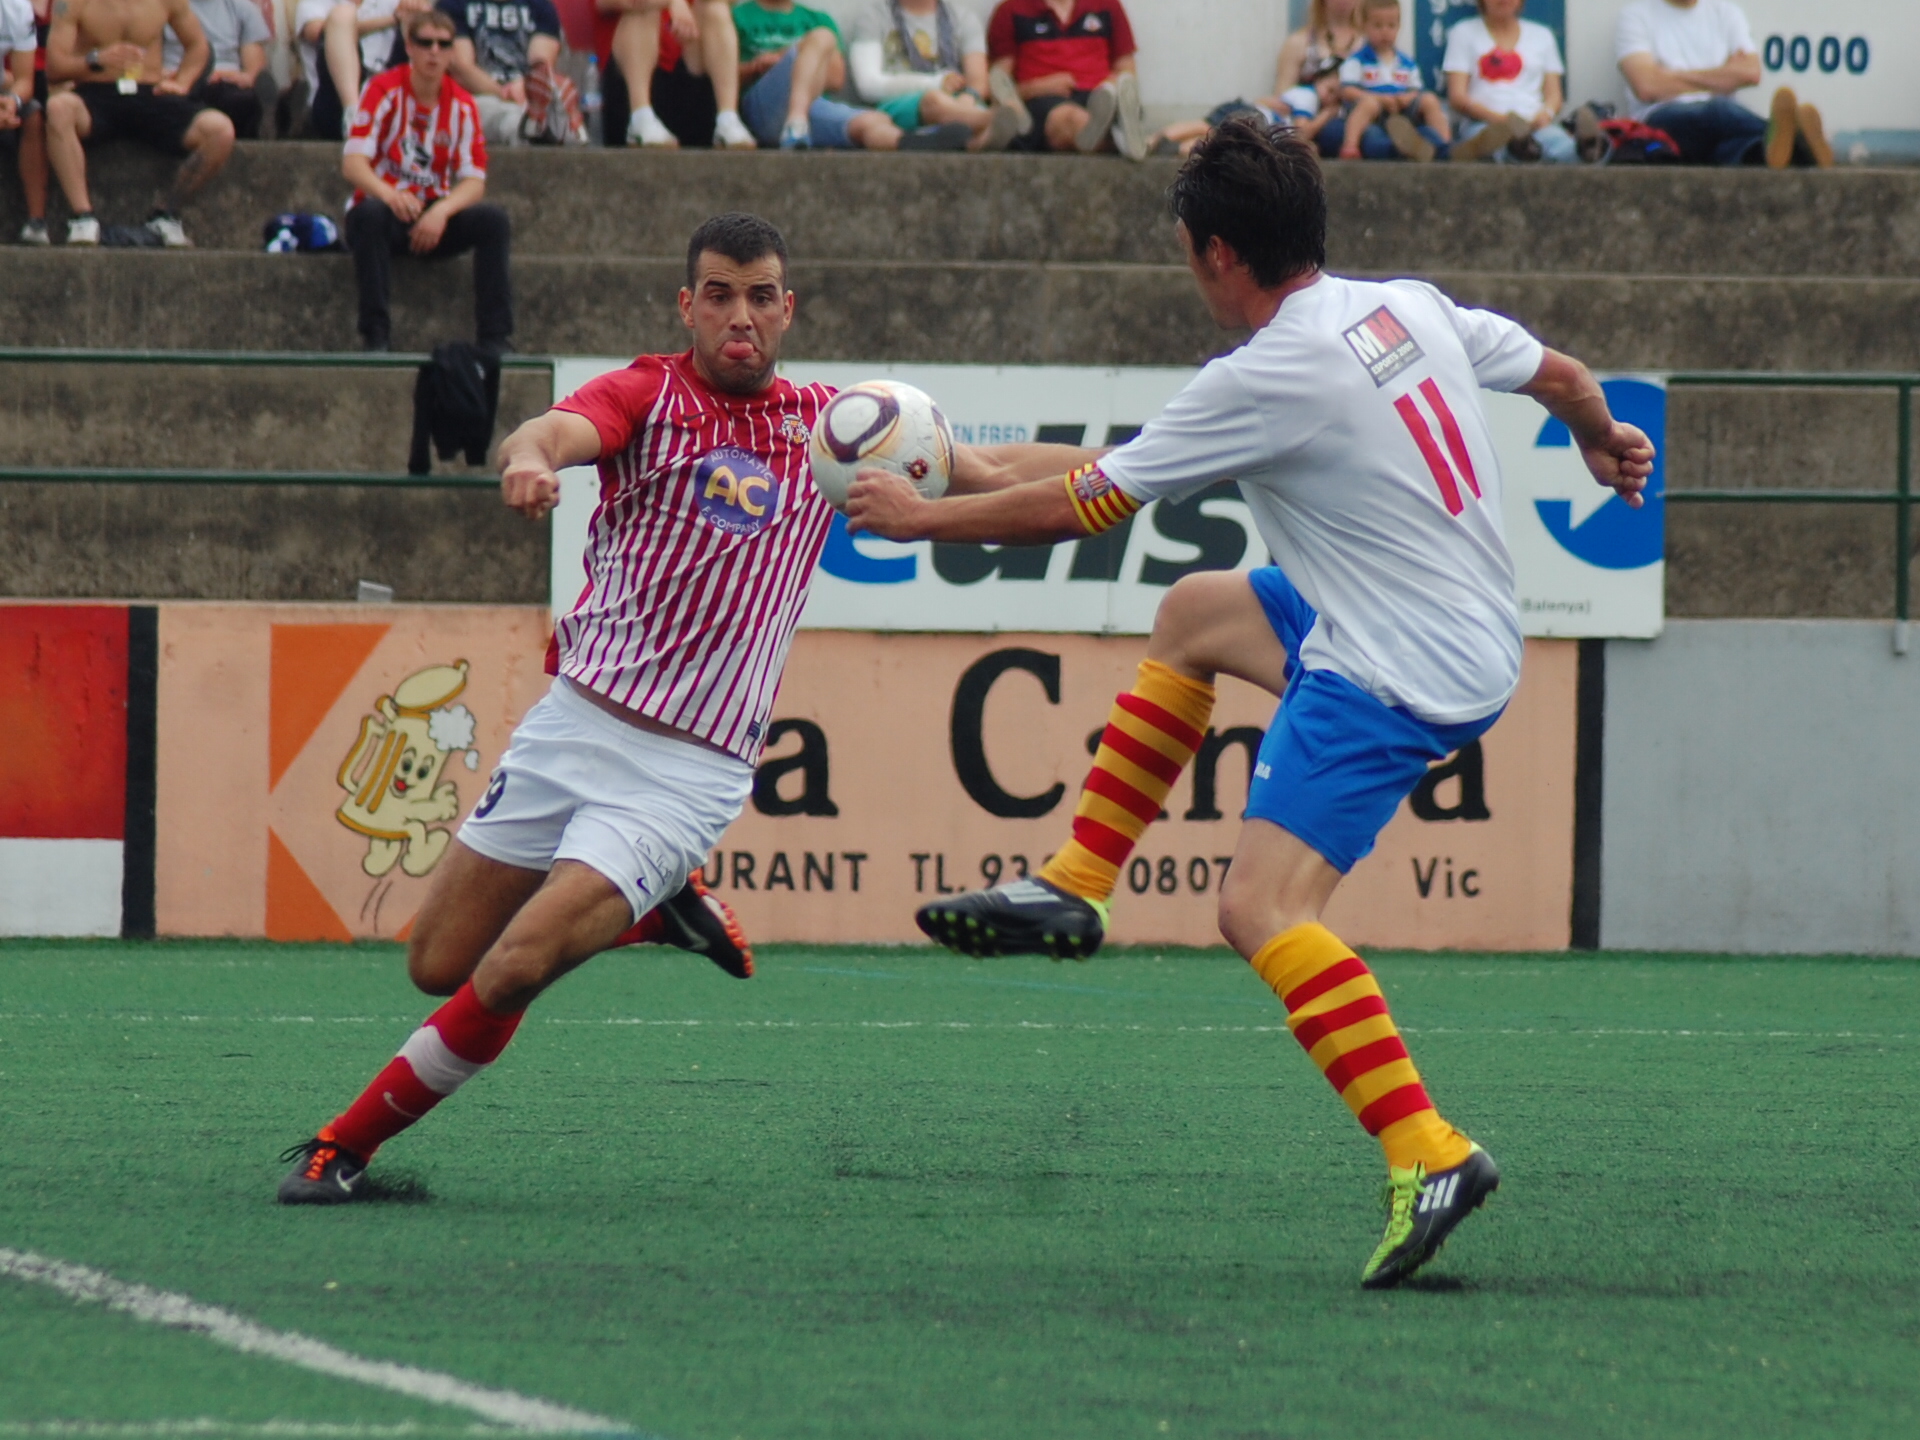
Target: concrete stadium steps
{"type": "Point", "coordinates": [224, 417]}
{"type": "Point", "coordinates": [978, 313]}
{"type": "Point", "coordinates": [267, 542]}
{"type": "Point", "coordinates": [1028, 209]}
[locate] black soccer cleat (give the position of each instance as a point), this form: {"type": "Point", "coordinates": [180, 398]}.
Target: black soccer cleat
{"type": "Point", "coordinates": [1022, 917]}
{"type": "Point", "coordinates": [324, 1173]}
{"type": "Point", "coordinates": [1422, 1210]}
{"type": "Point", "coordinates": [698, 920]}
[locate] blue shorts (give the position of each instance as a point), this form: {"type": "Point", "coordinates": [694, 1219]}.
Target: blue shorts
{"type": "Point", "coordinates": [763, 109]}
{"type": "Point", "coordinates": [1336, 762]}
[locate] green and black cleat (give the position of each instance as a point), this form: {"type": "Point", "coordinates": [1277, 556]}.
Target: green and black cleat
{"type": "Point", "coordinates": [1422, 1210]}
{"type": "Point", "coordinates": [324, 1173]}
{"type": "Point", "coordinates": [1022, 917]}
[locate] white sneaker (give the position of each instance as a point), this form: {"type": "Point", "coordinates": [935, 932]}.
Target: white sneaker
{"type": "Point", "coordinates": [1004, 92]}
{"type": "Point", "coordinates": [730, 132]}
{"type": "Point", "coordinates": [34, 232]}
{"type": "Point", "coordinates": [1102, 105]}
{"type": "Point", "coordinates": [84, 230]}
{"type": "Point", "coordinates": [796, 135]}
{"type": "Point", "coordinates": [1130, 136]}
{"type": "Point", "coordinates": [644, 128]}
{"type": "Point", "coordinates": [172, 234]}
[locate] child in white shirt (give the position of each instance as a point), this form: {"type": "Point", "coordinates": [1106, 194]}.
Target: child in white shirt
{"type": "Point", "coordinates": [1378, 80]}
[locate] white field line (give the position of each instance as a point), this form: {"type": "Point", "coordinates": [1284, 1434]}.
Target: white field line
{"type": "Point", "coordinates": [223, 1327]}
{"type": "Point", "coordinates": [1574, 1032]}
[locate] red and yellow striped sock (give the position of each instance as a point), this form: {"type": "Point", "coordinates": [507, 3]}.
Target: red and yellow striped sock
{"type": "Point", "coordinates": [1337, 1013]}
{"type": "Point", "coordinates": [1152, 733]}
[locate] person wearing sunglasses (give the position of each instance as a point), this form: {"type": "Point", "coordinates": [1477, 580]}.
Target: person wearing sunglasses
{"type": "Point", "coordinates": [418, 163]}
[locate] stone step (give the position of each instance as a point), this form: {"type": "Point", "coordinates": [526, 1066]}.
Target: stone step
{"type": "Point", "coordinates": [971, 313]}
{"type": "Point", "coordinates": [1030, 208]}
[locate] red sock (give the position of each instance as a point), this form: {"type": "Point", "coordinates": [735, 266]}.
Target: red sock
{"type": "Point", "coordinates": [457, 1042]}
{"type": "Point", "coordinates": [649, 929]}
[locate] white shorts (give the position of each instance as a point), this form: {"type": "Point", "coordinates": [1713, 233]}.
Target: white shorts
{"type": "Point", "coordinates": [578, 784]}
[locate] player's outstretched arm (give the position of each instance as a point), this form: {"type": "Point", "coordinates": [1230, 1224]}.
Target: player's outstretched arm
{"type": "Point", "coordinates": [1037, 512]}
{"type": "Point", "coordinates": [1619, 455]}
{"type": "Point", "coordinates": [981, 468]}
{"type": "Point", "coordinates": [532, 457]}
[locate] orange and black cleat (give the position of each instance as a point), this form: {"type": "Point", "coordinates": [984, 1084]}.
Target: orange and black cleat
{"type": "Point", "coordinates": [696, 919]}
{"type": "Point", "coordinates": [324, 1172]}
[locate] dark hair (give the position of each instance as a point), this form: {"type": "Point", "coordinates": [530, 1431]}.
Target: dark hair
{"type": "Point", "coordinates": [435, 19]}
{"type": "Point", "coordinates": [742, 238]}
{"type": "Point", "coordinates": [1257, 187]}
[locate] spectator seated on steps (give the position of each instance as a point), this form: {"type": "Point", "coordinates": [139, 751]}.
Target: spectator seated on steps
{"type": "Point", "coordinates": [238, 83]}
{"type": "Point", "coordinates": [1390, 113]}
{"type": "Point", "coordinates": [1068, 68]}
{"type": "Point", "coordinates": [790, 57]}
{"type": "Point", "coordinates": [689, 51]}
{"type": "Point", "coordinates": [924, 63]}
{"type": "Point", "coordinates": [342, 45]}
{"type": "Point", "coordinates": [503, 55]}
{"type": "Point", "coordinates": [23, 120]}
{"type": "Point", "coordinates": [1304, 109]}
{"type": "Point", "coordinates": [1504, 79]}
{"type": "Point", "coordinates": [1683, 60]}
{"type": "Point", "coordinates": [418, 163]}
{"type": "Point", "coordinates": [110, 51]}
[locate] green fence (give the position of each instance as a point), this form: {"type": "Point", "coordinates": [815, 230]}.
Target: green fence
{"type": "Point", "coordinates": [1900, 497]}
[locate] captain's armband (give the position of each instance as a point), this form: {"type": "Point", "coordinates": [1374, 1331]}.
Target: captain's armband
{"type": "Point", "coordinates": [1097, 502]}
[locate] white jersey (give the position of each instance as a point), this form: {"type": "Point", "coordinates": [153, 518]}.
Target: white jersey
{"type": "Point", "coordinates": [17, 34]}
{"type": "Point", "coordinates": [1352, 423]}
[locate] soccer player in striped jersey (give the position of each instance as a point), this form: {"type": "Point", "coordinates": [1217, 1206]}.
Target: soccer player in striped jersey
{"type": "Point", "coordinates": [1352, 422]}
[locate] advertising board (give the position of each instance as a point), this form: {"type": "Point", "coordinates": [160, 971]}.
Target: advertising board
{"type": "Point", "coordinates": [1586, 565]}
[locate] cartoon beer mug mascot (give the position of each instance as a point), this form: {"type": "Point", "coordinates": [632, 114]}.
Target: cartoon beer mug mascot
{"type": "Point", "coordinates": [392, 772]}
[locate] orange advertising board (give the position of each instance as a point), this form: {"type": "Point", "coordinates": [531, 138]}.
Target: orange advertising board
{"type": "Point", "coordinates": [314, 761]}
{"type": "Point", "coordinates": [905, 766]}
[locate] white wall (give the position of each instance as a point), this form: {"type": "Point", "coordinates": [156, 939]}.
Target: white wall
{"type": "Point", "coordinates": [1762, 789]}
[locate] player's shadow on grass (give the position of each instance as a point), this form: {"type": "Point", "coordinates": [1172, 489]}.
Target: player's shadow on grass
{"type": "Point", "coordinates": [394, 1187]}
{"type": "Point", "coordinates": [1437, 1285]}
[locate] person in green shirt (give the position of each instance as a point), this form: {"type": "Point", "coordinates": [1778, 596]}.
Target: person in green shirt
{"type": "Point", "coordinates": [790, 56]}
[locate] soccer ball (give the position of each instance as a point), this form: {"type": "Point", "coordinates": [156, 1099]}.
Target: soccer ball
{"type": "Point", "coordinates": [881, 424]}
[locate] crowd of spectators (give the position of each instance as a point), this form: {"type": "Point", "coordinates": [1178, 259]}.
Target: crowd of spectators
{"type": "Point", "coordinates": [434, 84]}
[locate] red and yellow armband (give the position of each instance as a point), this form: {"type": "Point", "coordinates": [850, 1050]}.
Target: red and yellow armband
{"type": "Point", "coordinates": [1097, 501]}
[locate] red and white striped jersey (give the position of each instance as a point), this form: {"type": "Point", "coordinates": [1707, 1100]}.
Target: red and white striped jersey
{"type": "Point", "coordinates": [424, 152]}
{"type": "Point", "coordinates": [701, 553]}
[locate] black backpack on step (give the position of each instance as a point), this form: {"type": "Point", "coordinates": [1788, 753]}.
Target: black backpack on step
{"type": "Point", "coordinates": [455, 399]}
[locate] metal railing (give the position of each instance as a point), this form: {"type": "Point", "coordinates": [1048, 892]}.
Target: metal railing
{"type": "Point", "coordinates": [1901, 497]}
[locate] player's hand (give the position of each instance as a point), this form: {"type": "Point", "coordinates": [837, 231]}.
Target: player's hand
{"type": "Point", "coordinates": [9, 113]}
{"type": "Point", "coordinates": [1622, 459]}
{"type": "Point", "coordinates": [527, 485]}
{"type": "Point", "coordinates": [882, 503]}
{"type": "Point", "coordinates": [953, 82]}
{"type": "Point", "coordinates": [427, 231]}
{"type": "Point", "coordinates": [169, 85]}
{"type": "Point", "coordinates": [122, 58]}
{"type": "Point", "coordinates": [406, 205]}
{"type": "Point", "coordinates": [681, 21]}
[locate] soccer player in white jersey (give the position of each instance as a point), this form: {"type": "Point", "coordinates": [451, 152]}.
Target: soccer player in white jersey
{"type": "Point", "coordinates": [1352, 422]}
{"type": "Point", "coordinates": [593, 830]}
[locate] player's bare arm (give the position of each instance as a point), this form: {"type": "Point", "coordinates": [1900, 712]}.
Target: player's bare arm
{"type": "Point", "coordinates": [1619, 455]}
{"type": "Point", "coordinates": [196, 54]}
{"type": "Point", "coordinates": [1036, 512]}
{"type": "Point", "coordinates": [532, 457]}
{"type": "Point", "coordinates": [978, 469]}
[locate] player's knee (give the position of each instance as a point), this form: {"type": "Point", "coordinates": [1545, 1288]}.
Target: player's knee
{"type": "Point", "coordinates": [63, 112]}
{"type": "Point", "coordinates": [1189, 614]}
{"type": "Point", "coordinates": [1064, 124]}
{"type": "Point", "coordinates": [1250, 916]}
{"type": "Point", "coordinates": [212, 133]}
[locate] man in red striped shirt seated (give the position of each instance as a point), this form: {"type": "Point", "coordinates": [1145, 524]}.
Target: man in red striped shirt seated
{"type": "Point", "coordinates": [418, 163]}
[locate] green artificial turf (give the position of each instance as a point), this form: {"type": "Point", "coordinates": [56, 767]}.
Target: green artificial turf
{"type": "Point", "coordinates": [894, 1194]}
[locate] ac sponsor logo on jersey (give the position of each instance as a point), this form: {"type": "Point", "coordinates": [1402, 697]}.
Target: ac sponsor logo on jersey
{"type": "Point", "coordinates": [736, 491]}
{"type": "Point", "coordinates": [1383, 345]}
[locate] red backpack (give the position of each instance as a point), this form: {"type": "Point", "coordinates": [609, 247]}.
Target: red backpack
{"type": "Point", "coordinates": [1631, 143]}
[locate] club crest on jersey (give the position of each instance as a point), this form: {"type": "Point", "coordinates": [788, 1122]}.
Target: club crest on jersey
{"type": "Point", "coordinates": [1382, 344]}
{"type": "Point", "coordinates": [794, 430]}
{"type": "Point", "coordinates": [736, 491]}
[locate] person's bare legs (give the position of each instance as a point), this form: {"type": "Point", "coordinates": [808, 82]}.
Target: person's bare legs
{"type": "Point", "coordinates": [937, 107]}
{"type": "Point", "coordinates": [1365, 111]}
{"type": "Point", "coordinates": [636, 50]}
{"type": "Point", "coordinates": [340, 49]}
{"type": "Point", "coordinates": [468, 907]}
{"type": "Point", "coordinates": [1064, 124]}
{"type": "Point", "coordinates": [718, 56]}
{"type": "Point", "coordinates": [33, 164]}
{"type": "Point", "coordinates": [209, 142]}
{"type": "Point", "coordinates": [812, 60]}
{"type": "Point", "coordinates": [873, 130]}
{"type": "Point", "coordinates": [1432, 113]}
{"type": "Point", "coordinates": [1213, 624]}
{"type": "Point", "coordinates": [68, 124]}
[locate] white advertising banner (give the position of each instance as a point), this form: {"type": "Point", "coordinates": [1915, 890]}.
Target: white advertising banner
{"type": "Point", "coordinates": [1587, 565]}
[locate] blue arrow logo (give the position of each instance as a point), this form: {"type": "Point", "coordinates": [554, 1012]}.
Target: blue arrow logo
{"type": "Point", "coordinates": [1616, 537]}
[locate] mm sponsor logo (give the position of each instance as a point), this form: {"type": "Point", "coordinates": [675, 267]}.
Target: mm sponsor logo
{"type": "Point", "coordinates": [736, 491]}
{"type": "Point", "coordinates": [1382, 344]}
